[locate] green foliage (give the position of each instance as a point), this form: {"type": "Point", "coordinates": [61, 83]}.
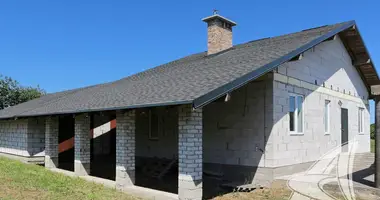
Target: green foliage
{"type": "Point", "coordinates": [12, 93]}
{"type": "Point", "coordinates": [372, 131]}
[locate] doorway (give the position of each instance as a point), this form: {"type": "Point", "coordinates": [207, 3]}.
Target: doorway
{"type": "Point", "coordinates": [66, 142]}
{"type": "Point", "coordinates": [344, 129]}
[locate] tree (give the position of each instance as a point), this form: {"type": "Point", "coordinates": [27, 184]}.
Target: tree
{"type": "Point", "coordinates": [12, 93]}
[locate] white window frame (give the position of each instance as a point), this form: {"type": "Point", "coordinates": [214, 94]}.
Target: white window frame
{"type": "Point", "coordinates": [326, 113]}
{"type": "Point", "coordinates": [361, 120]}
{"type": "Point", "coordinates": [150, 127]}
{"type": "Point", "coordinates": [295, 132]}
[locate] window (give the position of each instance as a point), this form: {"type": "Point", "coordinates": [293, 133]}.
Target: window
{"type": "Point", "coordinates": [296, 114]}
{"type": "Point", "coordinates": [153, 124]}
{"type": "Point", "coordinates": [361, 120]}
{"type": "Point", "coordinates": [327, 116]}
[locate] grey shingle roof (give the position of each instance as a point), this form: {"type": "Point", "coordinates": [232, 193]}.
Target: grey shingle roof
{"type": "Point", "coordinates": [193, 79]}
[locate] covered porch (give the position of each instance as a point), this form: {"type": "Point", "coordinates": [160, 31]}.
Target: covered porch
{"type": "Point", "coordinates": [158, 148]}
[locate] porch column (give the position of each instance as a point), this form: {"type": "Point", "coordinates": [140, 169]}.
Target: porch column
{"type": "Point", "coordinates": [189, 153]}
{"type": "Point", "coordinates": [375, 92]}
{"type": "Point", "coordinates": [82, 141]}
{"type": "Point", "coordinates": [51, 142]}
{"type": "Point", "coordinates": [125, 149]}
{"type": "Point", "coordinates": [377, 141]}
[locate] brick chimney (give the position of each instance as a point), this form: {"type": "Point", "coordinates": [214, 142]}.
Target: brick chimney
{"type": "Point", "coordinates": [219, 33]}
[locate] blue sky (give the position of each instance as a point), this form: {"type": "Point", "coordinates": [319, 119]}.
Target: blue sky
{"type": "Point", "coordinates": [66, 44]}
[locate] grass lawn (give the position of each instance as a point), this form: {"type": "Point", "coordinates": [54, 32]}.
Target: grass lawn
{"type": "Point", "coordinates": [23, 181]}
{"type": "Point", "coordinates": [372, 145]}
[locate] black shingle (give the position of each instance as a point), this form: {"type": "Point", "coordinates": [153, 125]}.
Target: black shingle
{"type": "Point", "coordinates": [180, 81]}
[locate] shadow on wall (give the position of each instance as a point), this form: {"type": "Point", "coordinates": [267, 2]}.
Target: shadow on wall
{"type": "Point", "coordinates": [103, 145]}
{"type": "Point", "coordinates": [250, 133]}
{"type": "Point", "coordinates": [36, 137]}
{"type": "Point", "coordinates": [157, 148]}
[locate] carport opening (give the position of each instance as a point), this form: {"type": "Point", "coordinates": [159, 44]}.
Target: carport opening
{"type": "Point", "coordinates": [103, 145]}
{"type": "Point", "coordinates": [157, 148]}
{"type": "Point", "coordinates": [66, 131]}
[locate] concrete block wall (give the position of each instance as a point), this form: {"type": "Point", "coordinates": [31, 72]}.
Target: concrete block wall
{"type": "Point", "coordinates": [236, 132]}
{"type": "Point", "coordinates": [125, 148]}
{"type": "Point", "coordinates": [36, 136]}
{"type": "Point", "coordinates": [51, 142]}
{"type": "Point", "coordinates": [167, 134]}
{"type": "Point", "coordinates": [324, 73]}
{"type": "Point", "coordinates": [328, 64]}
{"type": "Point", "coordinates": [23, 137]}
{"type": "Point", "coordinates": [13, 137]}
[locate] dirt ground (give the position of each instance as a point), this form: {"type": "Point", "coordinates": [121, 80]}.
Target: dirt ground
{"type": "Point", "coordinates": [278, 191]}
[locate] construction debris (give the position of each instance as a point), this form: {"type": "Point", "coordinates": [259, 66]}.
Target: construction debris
{"type": "Point", "coordinates": [238, 187]}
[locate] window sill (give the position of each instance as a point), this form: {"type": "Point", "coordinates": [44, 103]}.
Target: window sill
{"type": "Point", "coordinates": [295, 133]}
{"type": "Point", "coordinates": [327, 133]}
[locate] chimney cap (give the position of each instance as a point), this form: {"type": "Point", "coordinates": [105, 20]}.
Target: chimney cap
{"type": "Point", "coordinates": [217, 16]}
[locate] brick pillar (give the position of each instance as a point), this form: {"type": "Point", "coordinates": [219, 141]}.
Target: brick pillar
{"type": "Point", "coordinates": [190, 153]}
{"type": "Point", "coordinates": [51, 142]}
{"type": "Point", "coordinates": [125, 148]}
{"type": "Point", "coordinates": [82, 141]}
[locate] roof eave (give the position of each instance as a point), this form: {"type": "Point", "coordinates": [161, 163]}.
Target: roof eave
{"type": "Point", "coordinates": [237, 83]}
{"type": "Point", "coordinates": [173, 103]}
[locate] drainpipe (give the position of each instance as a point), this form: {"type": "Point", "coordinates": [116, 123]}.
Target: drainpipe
{"type": "Point", "coordinates": [377, 141]}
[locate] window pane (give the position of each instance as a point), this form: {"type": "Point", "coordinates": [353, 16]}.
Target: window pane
{"type": "Point", "coordinates": [299, 114]}
{"type": "Point", "coordinates": [327, 117]}
{"type": "Point", "coordinates": [292, 108]}
{"type": "Point", "coordinates": [359, 121]}
{"type": "Point", "coordinates": [361, 110]}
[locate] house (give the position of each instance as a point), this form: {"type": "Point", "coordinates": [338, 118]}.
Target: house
{"type": "Point", "coordinates": [246, 113]}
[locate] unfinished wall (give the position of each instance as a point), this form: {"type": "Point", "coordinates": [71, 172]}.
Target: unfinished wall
{"type": "Point", "coordinates": [236, 132]}
{"type": "Point", "coordinates": [23, 137]}
{"type": "Point", "coordinates": [324, 73]}
{"type": "Point", "coordinates": [330, 65]}
{"type": "Point", "coordinates": [36, 136]}
{"type": "Point", "coordinates": [13, 137]}
{"type": "Point", "coordinates": [166, 145]}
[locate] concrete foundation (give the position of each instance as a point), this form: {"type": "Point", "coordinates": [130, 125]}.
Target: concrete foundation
{"type": "Point", "coordinates": [51, 162]}
{"type": "Point", "coordinates": [81, 169]}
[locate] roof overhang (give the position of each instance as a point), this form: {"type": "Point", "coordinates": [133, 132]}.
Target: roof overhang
{"type": "Point", "coordinates": [158, 104]}
{"type": "Point", "coordinates": [360, 56]}
{"type": "Point", "coordinates": [352, 40]}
